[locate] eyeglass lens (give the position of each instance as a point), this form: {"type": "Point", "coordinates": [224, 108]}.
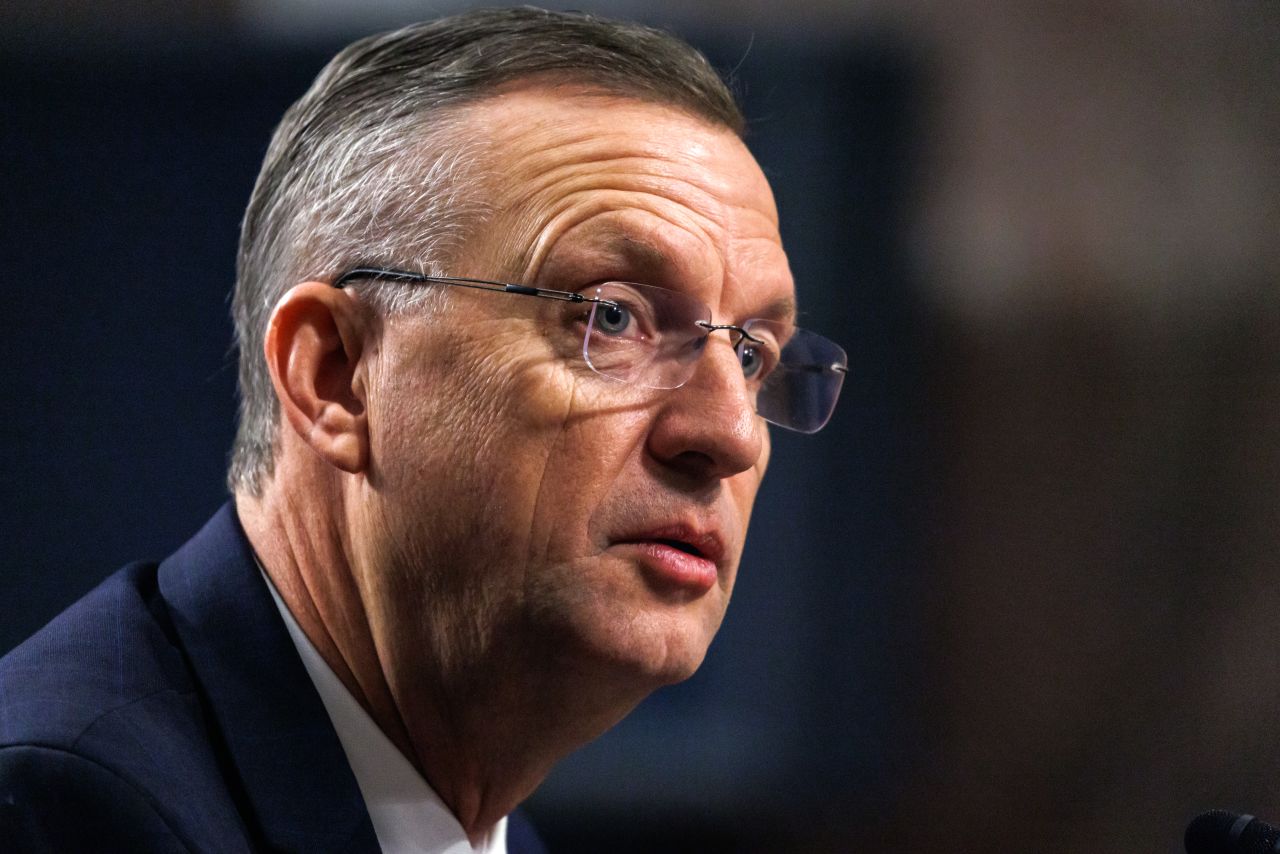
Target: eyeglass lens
{"type": "Point", "coordinates": [650, 337]}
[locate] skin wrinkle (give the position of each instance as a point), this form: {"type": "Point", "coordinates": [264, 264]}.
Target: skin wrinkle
{"type": "Point", "coordinates": [582, 173]}
{"type": "Point", "coordinates": [782, 308]}
{"type": "Point", "coordinates": [578, 180]}
{"type": "Point", "coordinates": [303, 548]}
{"type": "Point", "coordinates": [585, 168]}
{"type": "Point", "coordinates": [601, 201]}
{"type": "Point", "coordinates": [358, 632]}
{"type": "Point", "coordinates": [566, 222]}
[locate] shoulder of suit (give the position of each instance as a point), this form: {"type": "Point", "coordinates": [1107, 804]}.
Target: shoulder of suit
{"type": "Point", "coordinates": [100, 713]}
{"type": "Point", "coordinates": [112, 649]}
{"type": "Point", "coordinates": [55, 800]}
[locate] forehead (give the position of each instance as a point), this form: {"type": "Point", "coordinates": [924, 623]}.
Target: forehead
{"type": "Point", "coordinates": [584, 184]}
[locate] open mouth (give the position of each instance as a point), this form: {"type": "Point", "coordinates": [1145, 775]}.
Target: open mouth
{"type": "Point", "coordinates": [687, 548]}
{"type": "Point", "coordinates": [704, 547]}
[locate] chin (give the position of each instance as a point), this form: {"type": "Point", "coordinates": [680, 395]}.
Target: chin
{"type": "Point", "coordinates": [653, 649]}
{"type": "Point", "coordinates": [621, 632]}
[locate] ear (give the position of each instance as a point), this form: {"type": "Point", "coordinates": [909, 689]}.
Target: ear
{"type": "Point", "coordinates": [313, 346]}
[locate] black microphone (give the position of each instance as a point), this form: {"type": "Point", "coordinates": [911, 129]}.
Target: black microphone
{"type": "Point", "coordinates": [1222, 832]}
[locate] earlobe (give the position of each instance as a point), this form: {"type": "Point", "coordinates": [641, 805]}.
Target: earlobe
{"type": "Point", "coordinates": [313, 348]}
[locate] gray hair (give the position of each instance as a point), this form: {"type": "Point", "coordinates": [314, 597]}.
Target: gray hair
{"type": "Point", "coordinates": [367, 167]}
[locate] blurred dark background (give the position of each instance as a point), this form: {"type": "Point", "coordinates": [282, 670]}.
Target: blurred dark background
{"type": "Point", "coordinates": [1019, 595]}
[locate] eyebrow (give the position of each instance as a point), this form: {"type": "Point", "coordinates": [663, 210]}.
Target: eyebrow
{"type": "Point", "coordinates": [783, 309]}
{"type": "Point", "coordinates": [644, 254]}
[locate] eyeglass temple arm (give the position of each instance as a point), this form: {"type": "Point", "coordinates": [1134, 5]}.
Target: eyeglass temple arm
{"type": "Point", "coordinates": [477, 284]}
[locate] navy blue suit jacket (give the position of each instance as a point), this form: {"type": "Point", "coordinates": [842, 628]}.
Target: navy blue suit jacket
{"type": "Point", "coordinates": [168, 711]}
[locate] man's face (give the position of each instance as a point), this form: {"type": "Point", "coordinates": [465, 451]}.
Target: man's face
{"type": "Point", "coordinates": [520, 504]}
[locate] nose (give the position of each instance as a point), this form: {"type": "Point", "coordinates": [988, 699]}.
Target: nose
{"type": "Point", "coordinates": [708, 427]}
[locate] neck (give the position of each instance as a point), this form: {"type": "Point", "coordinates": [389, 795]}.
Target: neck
{"type": "Point", "coordinates": [483, 721]}
{"type": "Point", "coordinates": [485, 742]}
{"type": "Point", "coordinates": [299, 538]}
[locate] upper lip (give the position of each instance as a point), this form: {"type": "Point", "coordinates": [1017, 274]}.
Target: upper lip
{"type": "Point", "coordinates": [705, 542]}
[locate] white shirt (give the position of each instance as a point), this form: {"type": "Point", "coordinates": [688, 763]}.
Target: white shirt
{"type": "Point", "coordinates": [408, 816]}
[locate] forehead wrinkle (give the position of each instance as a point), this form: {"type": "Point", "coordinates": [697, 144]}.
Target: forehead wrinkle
{"type": "Point", "coordinates": [545, 185]}
{"type": "Point", "coordinates": [532, 124]}
{"type": "Point", "coordinates": [571, 213]}
{"type": "Point", "coordinates": [567, 200]}
{"type": "Point", "coordinates": [687, 176]}
{"type": "Point", "coordinates": [562, 167]}
{"type": "Point", "coordinates": [652, 190]}
{"type": "Point", "coordinates": [679, 246]}
{"type": "Point", "coordinates": [646, 251]}
{"type": "Point", "coordinates": [575, 144]}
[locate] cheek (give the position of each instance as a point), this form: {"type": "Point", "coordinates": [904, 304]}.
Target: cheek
{"type": "Point", "coordinates": [596, 605]}
{"type": "Point", "coordinates": [501, 437]}
{"type": "Point", "coordinates": [454, 438]}
{"type": "Point", "coordinates": [594, 448]}
{"type": "Point", "coordinates": [468, 391]}
{"type": "Point", "coordinates": [501, 421]}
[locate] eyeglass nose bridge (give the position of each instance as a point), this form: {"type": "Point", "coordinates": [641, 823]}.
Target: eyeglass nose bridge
{"type": "Point", "coordinates": [743, 335]}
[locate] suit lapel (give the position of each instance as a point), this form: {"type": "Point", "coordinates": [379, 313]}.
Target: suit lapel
{"type": "Point", "coordinates": [297, 787]}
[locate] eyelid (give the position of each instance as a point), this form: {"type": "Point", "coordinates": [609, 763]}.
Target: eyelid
{"type": "Point", "coordinates": [641, 311]}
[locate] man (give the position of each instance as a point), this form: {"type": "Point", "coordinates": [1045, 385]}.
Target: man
{"type": "Point", "coordinates": [470, 530]}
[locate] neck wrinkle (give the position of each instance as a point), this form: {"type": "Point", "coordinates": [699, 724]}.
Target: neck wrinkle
{"type": "Point", "coordinates": [304, 551]}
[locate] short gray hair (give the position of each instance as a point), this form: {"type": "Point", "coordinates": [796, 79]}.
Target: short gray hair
{"type": "Point", "coordinates": [365, 168]}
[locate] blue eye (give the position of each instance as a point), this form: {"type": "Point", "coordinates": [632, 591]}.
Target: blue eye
{"type": "Point", "coordinates": [612, 318]}
{"type": "Point", "coordinates": [752, 360]}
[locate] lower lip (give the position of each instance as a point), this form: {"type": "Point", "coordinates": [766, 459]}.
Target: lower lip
{"type": "Point", "coordinates": [672, 567]}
